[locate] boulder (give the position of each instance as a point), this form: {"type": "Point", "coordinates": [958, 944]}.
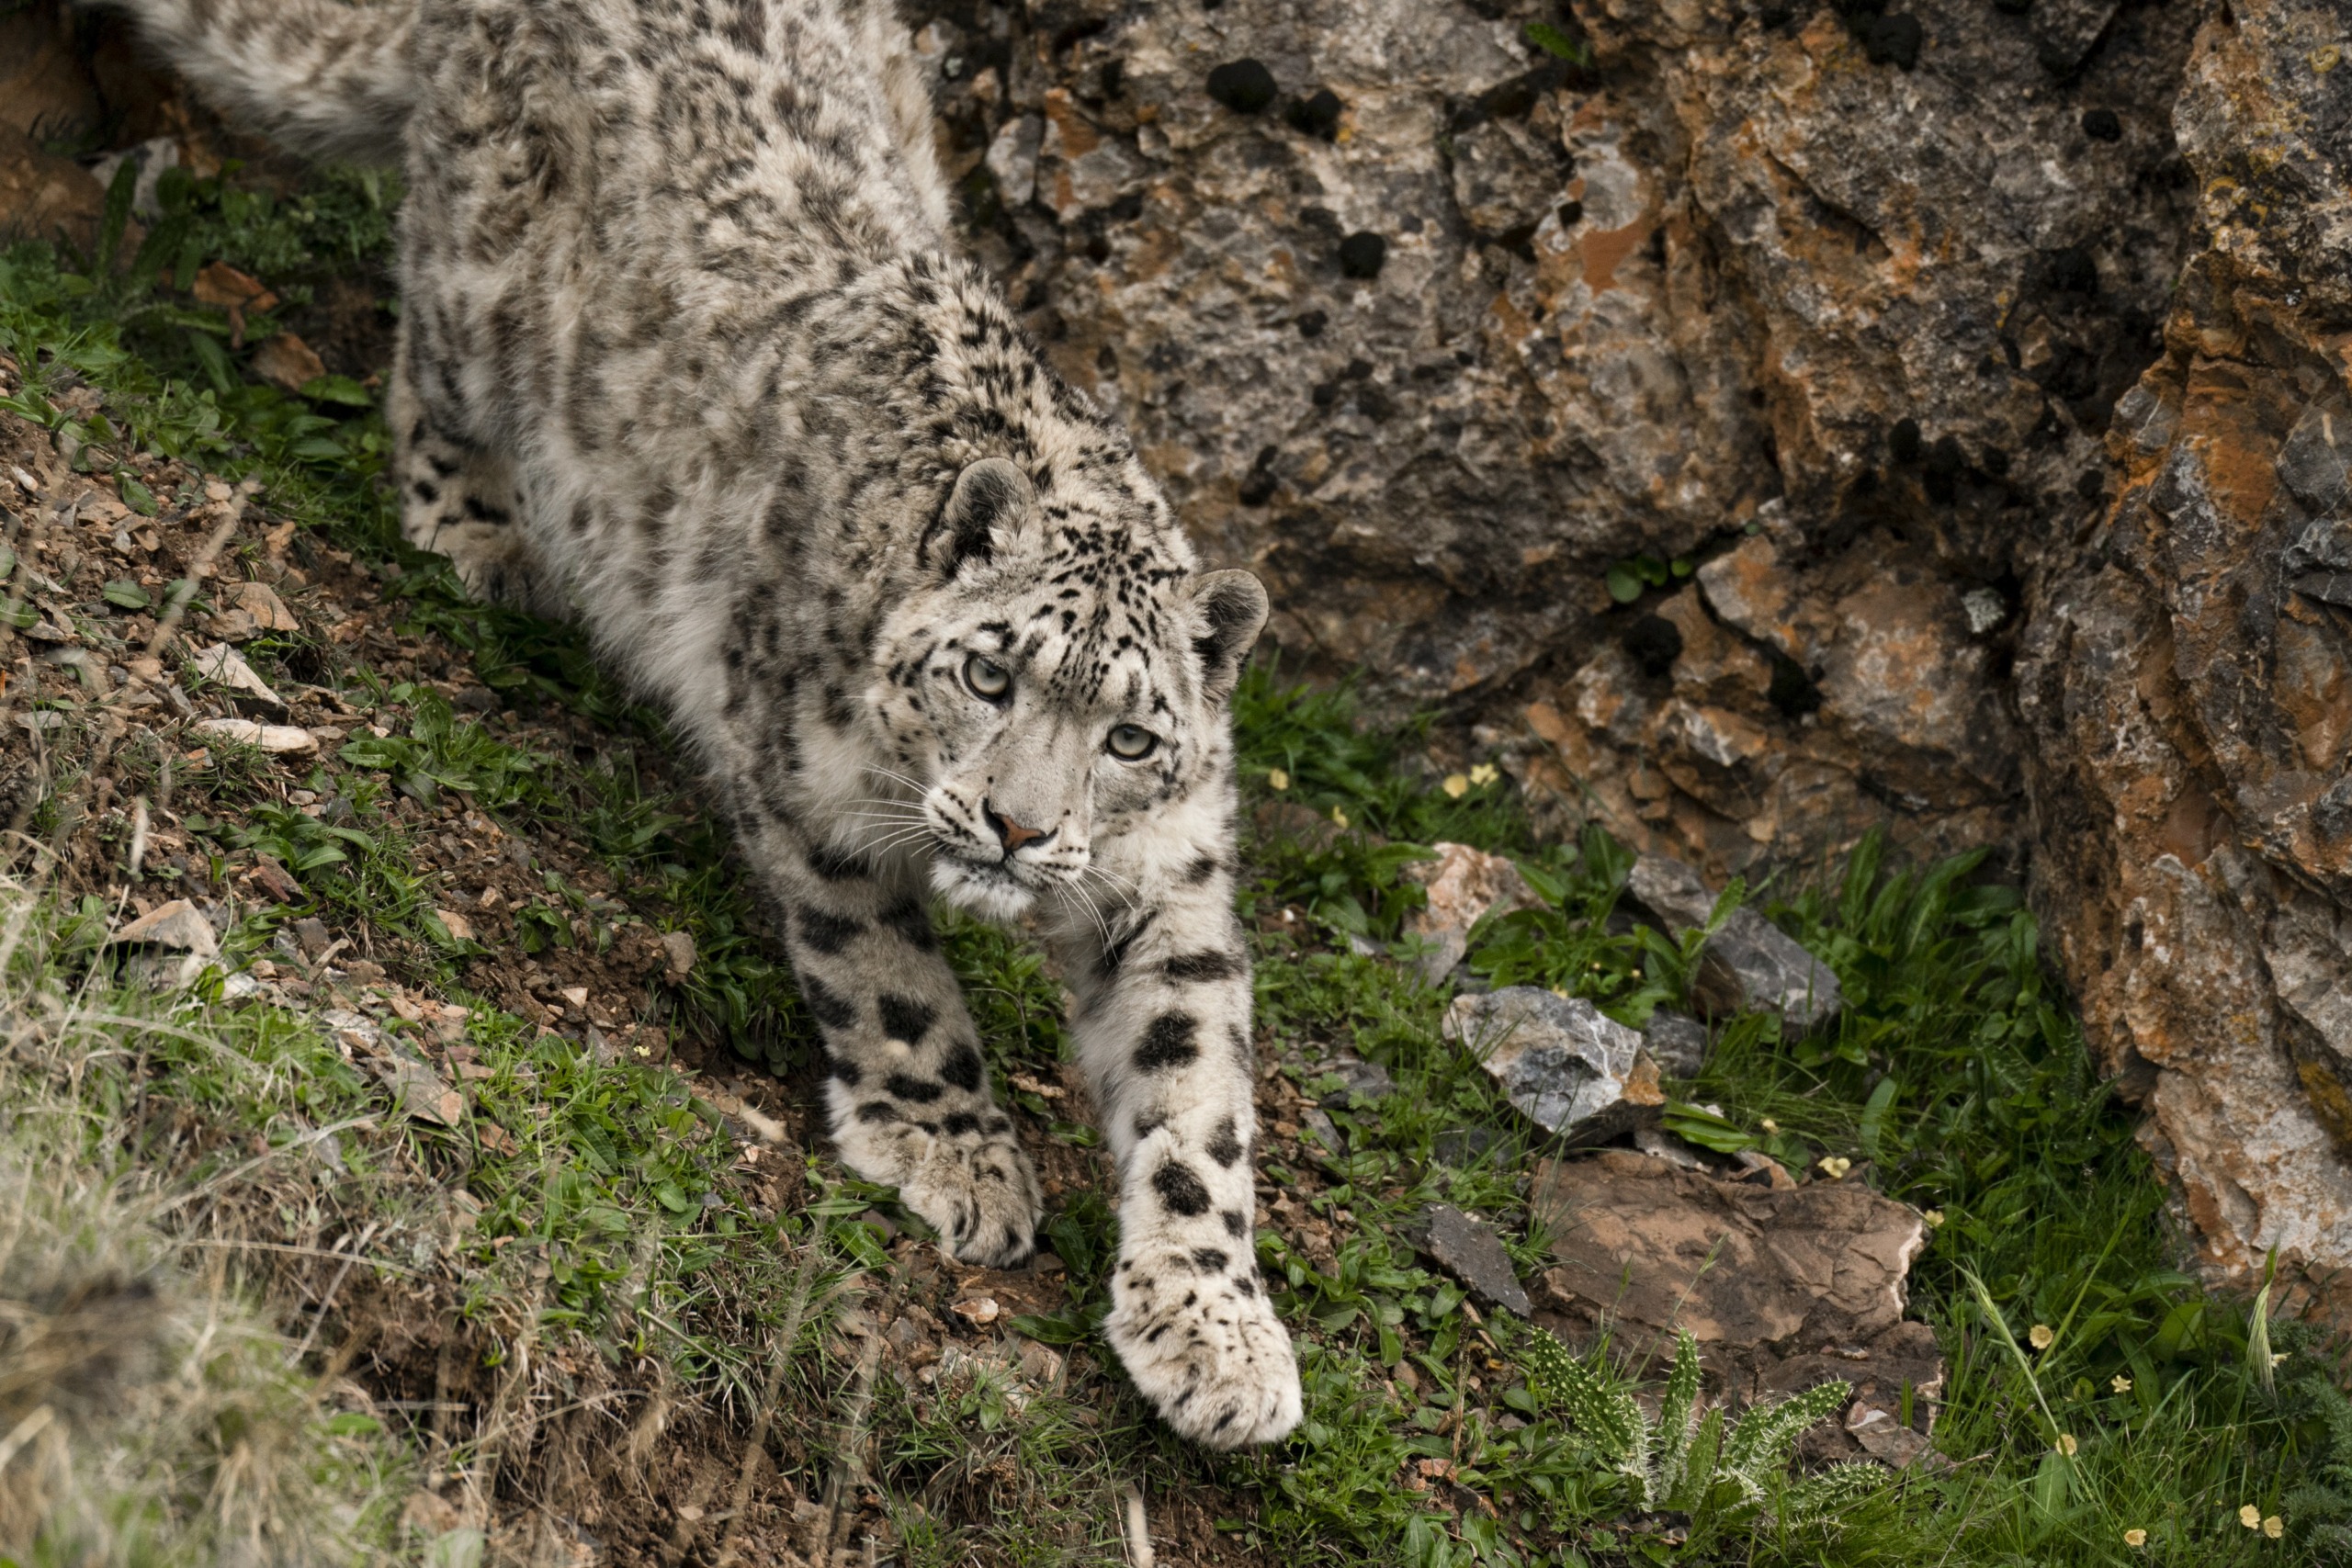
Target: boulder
{"type": "Point", "coordinates": [1749, 965]}
{"type": "Point", "coordinates": [43, 196]}
{"type": "Point", "coordinates": [1359, 1081]}
{"type": "Point", "coordinates": [1433, 328]}
{"type": "Point", "coordinates": [1678, 1043]}
{"type": "Point", "coordinates": [1566, 1067]}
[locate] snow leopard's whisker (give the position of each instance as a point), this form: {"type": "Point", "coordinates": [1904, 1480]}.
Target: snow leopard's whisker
{"type": "Point", "coordinates": [1120, 901]}
{"type": "Point", "coordinates": [1117, 879]}
{"type": "Point", "coordinates": [911, 819]}
{"type": "Point", "coordinates": [890, 841]}
{"type": "Point", "coordinates": [1074, 892]}
{"type": "Point", "coordinates": [914, 785]}
{"type": "Point", "coordinates": [1127, 889]}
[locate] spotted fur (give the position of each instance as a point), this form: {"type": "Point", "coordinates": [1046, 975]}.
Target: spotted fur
{"type": "Point", "coordinates": [686, 353]}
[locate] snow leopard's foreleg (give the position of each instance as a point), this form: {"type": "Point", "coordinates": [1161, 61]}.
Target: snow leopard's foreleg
{"type": "Point", "coordinates": [1163, 1033]}
{"type": "Point", "coordinates": [907, 1092]}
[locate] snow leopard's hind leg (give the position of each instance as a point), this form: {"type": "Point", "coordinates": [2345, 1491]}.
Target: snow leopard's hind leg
{"type": "Point", "coordinates": [460, 501]}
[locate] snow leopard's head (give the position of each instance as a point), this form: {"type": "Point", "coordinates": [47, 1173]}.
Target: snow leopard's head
{"type": "Point", "coordinates": [1062, 674]}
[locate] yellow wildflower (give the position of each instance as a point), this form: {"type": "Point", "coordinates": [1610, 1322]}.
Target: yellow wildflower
{"type": "Point", "coordinates": [2274, 1526]}
{"type": "Point", "coordinates": [2066, 1444]}
{"type": "Point", "coordinates": [1277, 779]}
{"type": "Point", "coordinates": [1457, 785]}
{"type": "Point", "coordinates": [1771, 1128]}
{"type": "Point", "coordinates": [1835, 1167]}
{"type": "Point", "coordinates": [2120, 1384]}
{"type": "Point", "coordinates": [1338, 817]}
{"type": "Point", "coordinates": [2041, 1336]}
{"type": "Point", "coordinates": [1933, 1218]}
{"type": "Point", "coordinates": [2250, 1517]}
{"type": "Point", "coordinates": [2135, 1537]}
{"type": "Point", "coordinates": [1484, 773]}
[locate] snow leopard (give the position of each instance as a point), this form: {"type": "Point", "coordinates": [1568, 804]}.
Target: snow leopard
{"type": "Point", "coordinates": [687, 351]}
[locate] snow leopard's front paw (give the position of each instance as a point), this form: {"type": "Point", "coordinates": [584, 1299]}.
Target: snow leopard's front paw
{"type": "Point", "coordinates": [1194, 1330]}
{"type": "Point", "coordinates": [974, 1187]}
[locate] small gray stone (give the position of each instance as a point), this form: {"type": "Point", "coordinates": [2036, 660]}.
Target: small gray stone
{"type": "Point", "coordinates": [1471, 1251]}
{"type": "Point", "coordinates": [1365, 1080]}
{"type": "Point", "coordinates": [1660, 1144]}
{"type": "Point", "coordinates": [1749, 965]}
{"type": "Point", "coordinates": [1559, 1061]}
{"type": "Point", "coordinates": [1677, 1043]}
{"type": "Point", "coordinates": [1464, 1147]}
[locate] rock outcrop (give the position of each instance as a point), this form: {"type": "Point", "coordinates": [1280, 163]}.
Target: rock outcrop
{"type": "Point", "coordinates": [1434, 329]}
{"type": "Point", "coordinates": [2186, 677]}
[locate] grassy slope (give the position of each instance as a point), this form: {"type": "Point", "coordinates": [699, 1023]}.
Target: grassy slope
{"type": "Point", "coordinates": [607, 1264]}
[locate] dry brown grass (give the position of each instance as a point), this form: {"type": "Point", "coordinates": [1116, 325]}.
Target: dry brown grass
{"type": "Point", "coordinates": [148, 1413]}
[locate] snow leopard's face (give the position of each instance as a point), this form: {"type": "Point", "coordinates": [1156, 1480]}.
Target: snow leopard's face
{"type": "Point", "coordinates": [1057, 683]}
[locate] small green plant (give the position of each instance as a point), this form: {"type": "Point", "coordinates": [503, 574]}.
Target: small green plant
{"type": "Point", "coordinates": [1629, 579]}
{"type": "Point", "coordinates": [1556, 44]}
{"type": "Point", "coordinates": [2321, 1507]}
{"type": "Point", "coordinates": [1687, 1460]}
{"type": "Point", "coordinates": [1571, 946]}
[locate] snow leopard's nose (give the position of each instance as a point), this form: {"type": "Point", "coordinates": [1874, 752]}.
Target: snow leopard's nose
{"type": "Point", "coordinates": [1012, 834]}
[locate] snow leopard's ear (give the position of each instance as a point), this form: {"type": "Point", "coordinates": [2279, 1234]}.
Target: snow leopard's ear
{"type": "Point", "coordinates": [1231, 611]}
{"type": "Point", "coordinates": [990, 501]}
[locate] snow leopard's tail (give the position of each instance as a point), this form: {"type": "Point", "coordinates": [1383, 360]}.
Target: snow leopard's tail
{"type": "Point", "coordinates": [319, 77]}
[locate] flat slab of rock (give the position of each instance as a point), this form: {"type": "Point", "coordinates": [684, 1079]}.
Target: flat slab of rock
{"type": "Point", "coordinates": [1750, 965]}
{"type": "Point", "coordinates": [1464, 884]}
{"type": "Point", "coordinates": [226, 666]}
{"type": "Point", "coordinates": [1782, 1288]}
{"type": "Point", "coordinates": [1469, 1249]}
{"type": "Point", "coordinates": [278, 739]}
{"type": "Point", "coordinates": [1564, 1064]}
{"type": "Point", "coordinates": [178, 925]}
{"type": "Point", "coordinates": [1731, 1261]}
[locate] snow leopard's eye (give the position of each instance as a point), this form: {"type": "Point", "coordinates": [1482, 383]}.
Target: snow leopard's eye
{"type": "Point", "coordinates": [1133, 743]}
{"type": "Point", "coordinates": [987, 679]}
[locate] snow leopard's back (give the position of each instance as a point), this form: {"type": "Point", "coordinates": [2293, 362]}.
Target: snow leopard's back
{"type": "Point", "coordinates": [637, 186]}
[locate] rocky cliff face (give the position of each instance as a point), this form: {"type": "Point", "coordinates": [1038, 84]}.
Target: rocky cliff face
{"type": "Point", "coordinates": [2187, 677]}
{"type": "Point", "coordinates": [1822, 309]}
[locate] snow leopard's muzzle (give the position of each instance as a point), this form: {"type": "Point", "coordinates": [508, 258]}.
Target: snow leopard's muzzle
{"type": "Point", "coordinates": [1015, 825]}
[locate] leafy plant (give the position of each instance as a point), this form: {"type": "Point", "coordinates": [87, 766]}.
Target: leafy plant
{"type": "Point", "coordinates": [1574, 946]}
{"type": "Point", "coordinates": [1630, 578]}
{"type": "Point", "coordinates": [1685, 1459]}
{"type": "Point", "coordinates": [1557, 44]}
{"type": "Point", "coordinates": [2321, 1506]}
